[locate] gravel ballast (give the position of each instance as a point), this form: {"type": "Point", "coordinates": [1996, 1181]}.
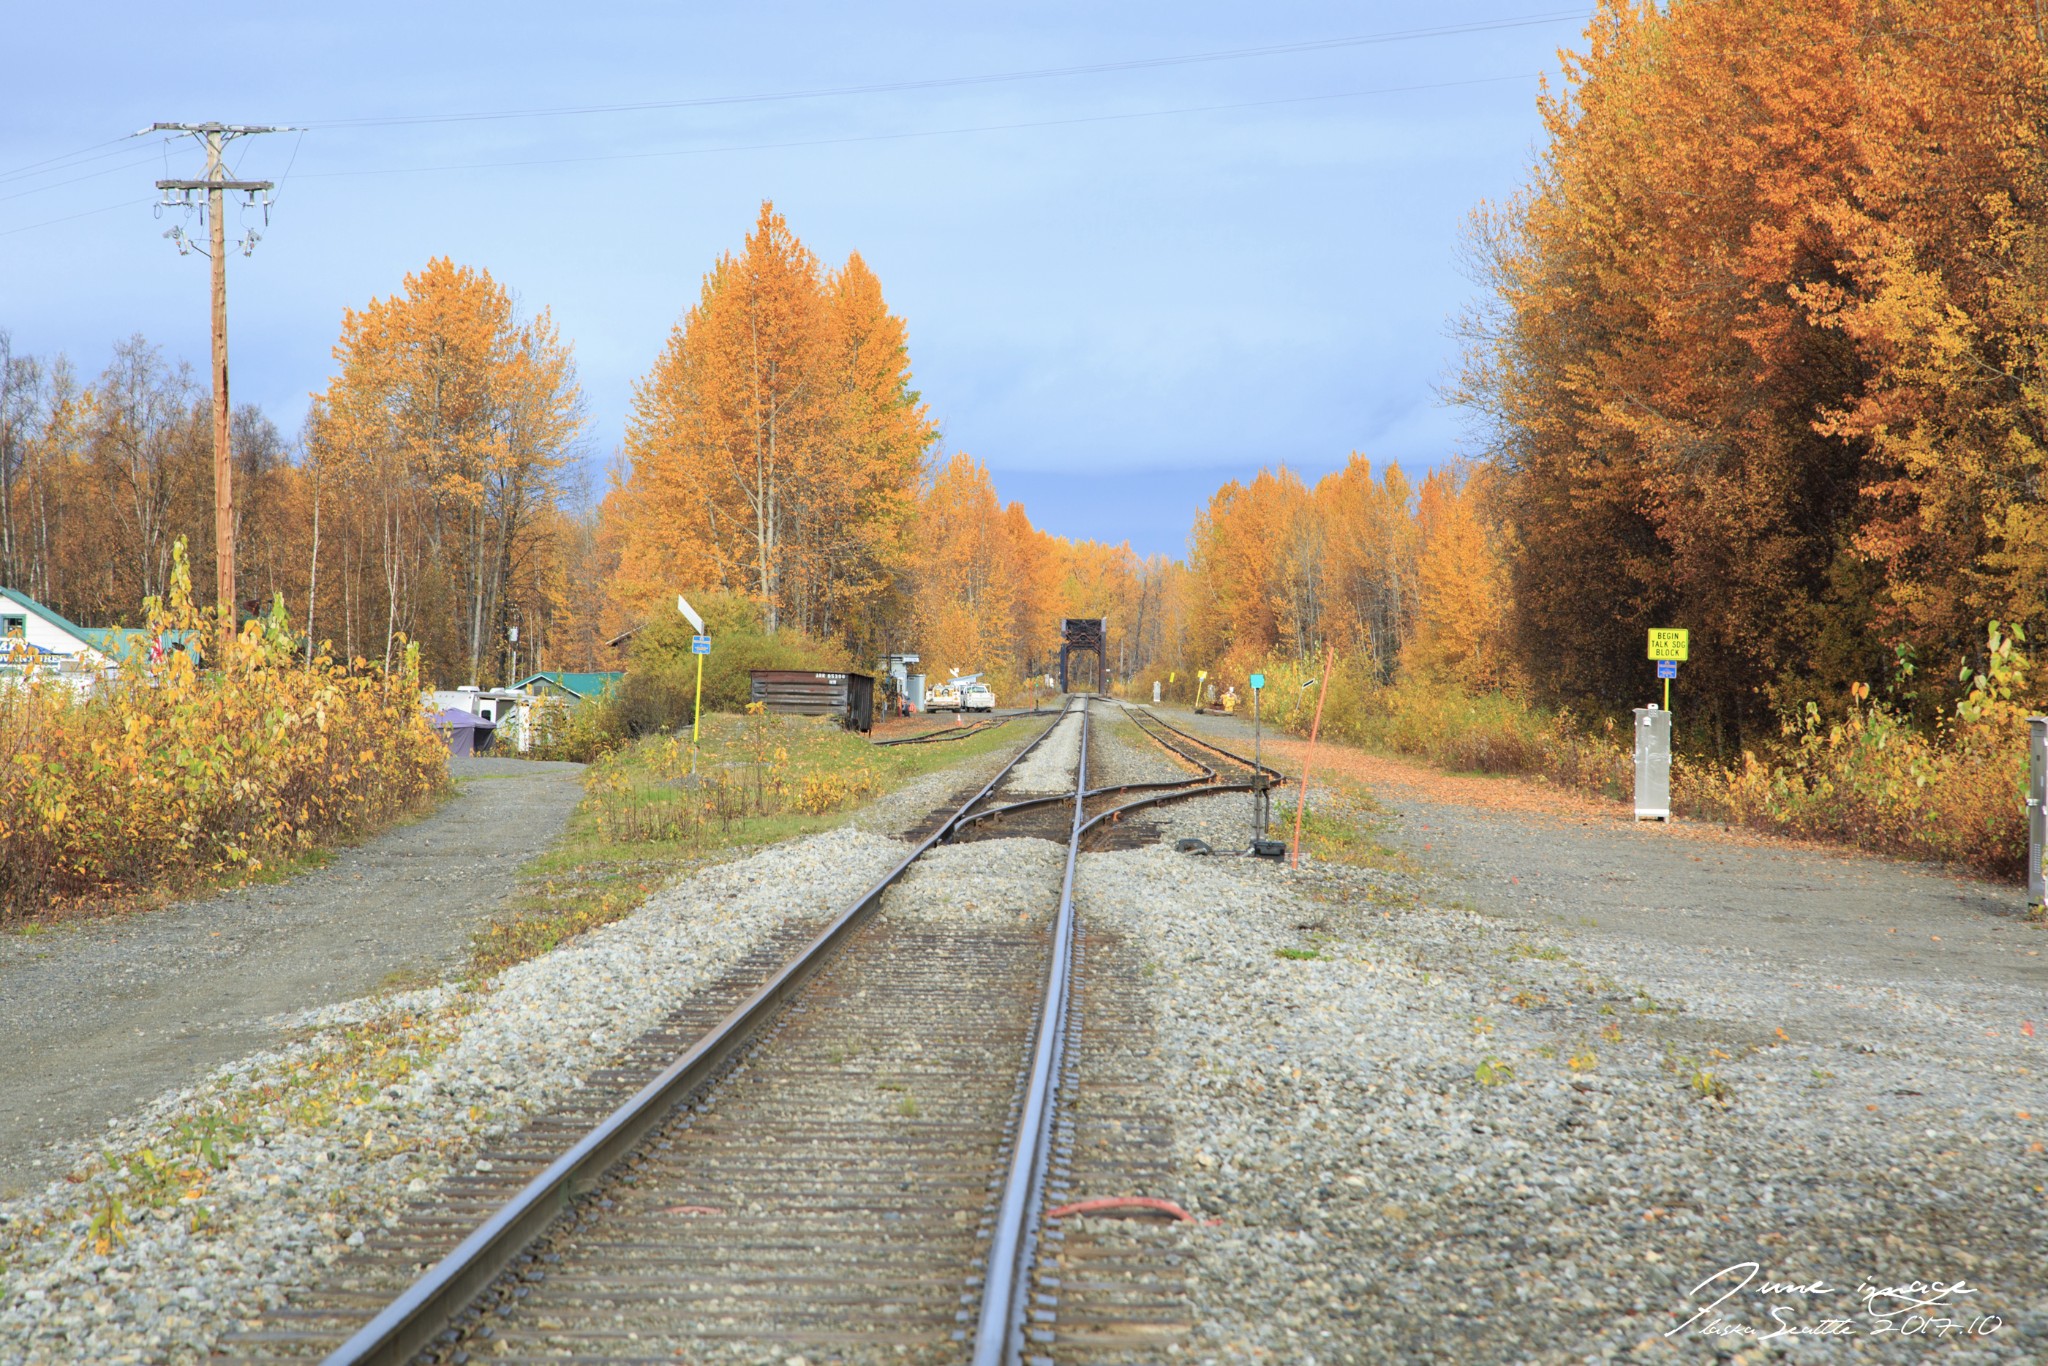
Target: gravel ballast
{"type": "Point", "coordinates": [303, 1182]}
{"type": "Point", "coordinates": [1049, 768]}
{"type": "Point", "coordinates": [1429, 1136]}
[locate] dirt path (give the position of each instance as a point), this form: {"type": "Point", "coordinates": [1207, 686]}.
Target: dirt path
{"type": "Point", "coordinates": [100, 1016]}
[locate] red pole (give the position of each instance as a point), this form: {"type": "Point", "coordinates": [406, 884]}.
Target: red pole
{"type": "Point", "coordinates": [1301, 802]}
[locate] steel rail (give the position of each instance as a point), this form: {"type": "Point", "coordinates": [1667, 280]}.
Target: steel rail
{"type": "Point", "coordinates": [1029, 803]}
{"type": "Point", "coordinates": [1156, 719]}
{"type": "Point", "coordinates": [1116, 813]}
{"type": "Point", "coordinates": [950, 732]}
{"type": "Point", "coordinates": [410, 1323]}
{"type": "Point", "coordinates": [999, 1333]}
{"type": "Point", "coordinates": [1209, 777]}
{"type": "Point", "coordinates": [1005, 1289]}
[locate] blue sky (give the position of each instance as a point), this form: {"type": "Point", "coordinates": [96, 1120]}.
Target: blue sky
{"type": "Point", "coordinates": [1123, 286]}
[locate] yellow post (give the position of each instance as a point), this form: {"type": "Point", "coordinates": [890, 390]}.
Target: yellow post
{"type": "Point", "coordinates": [697, 716]}
{"type": "Point", "coordinates": [1667, 694]}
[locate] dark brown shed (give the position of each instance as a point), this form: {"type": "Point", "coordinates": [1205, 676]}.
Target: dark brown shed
{"type": "Point", "coordinates": [802, 692]}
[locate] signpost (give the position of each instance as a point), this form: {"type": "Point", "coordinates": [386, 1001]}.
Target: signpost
{"type": "Point", "coordinates": [1258, 682]}
{"type": "Point", "coordinates": [700, 646]}
{"type": "Point", "coordinates": [1669, 647]}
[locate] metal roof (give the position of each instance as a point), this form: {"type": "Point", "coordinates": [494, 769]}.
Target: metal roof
{"type": "Point", "coordinates": [55, 619]}
{"type": "Point", "coordinates": [576, 684]}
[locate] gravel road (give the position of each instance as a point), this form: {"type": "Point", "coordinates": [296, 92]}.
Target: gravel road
{"type": "Point", "coordinates": [98, 1016]}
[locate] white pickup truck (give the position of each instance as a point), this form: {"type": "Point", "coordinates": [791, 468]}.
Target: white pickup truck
{"type": "Point", "coordinates": [977, 697]}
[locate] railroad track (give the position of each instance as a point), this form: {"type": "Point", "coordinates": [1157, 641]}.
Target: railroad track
{"type": "Point", "coordinates": [847, 1148]}
{"type": "Point", "coordinates": [954, 732]}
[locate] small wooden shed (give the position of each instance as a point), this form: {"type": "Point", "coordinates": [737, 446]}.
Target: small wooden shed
{"type": "Point", "coordinates": [803, 692]}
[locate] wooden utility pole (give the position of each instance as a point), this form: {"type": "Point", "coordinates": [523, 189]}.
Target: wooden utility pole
{"type": "Point", "coordinates": [216, 187]}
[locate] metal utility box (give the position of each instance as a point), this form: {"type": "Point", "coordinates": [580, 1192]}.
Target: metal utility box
{"type": "Point", "coordinates": [801, 692]}
{"type": "Point", "coordinates": [1653, 764]}
{"type": "Point", "coordinates": [2037, 806]}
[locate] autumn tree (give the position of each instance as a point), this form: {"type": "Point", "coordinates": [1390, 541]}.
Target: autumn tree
{"type": "Point", "coordinates": [1762, 348]}
{"type": "Point", "coordinates": [443, 441]}
{"type": "Point", "coordinates": [1460, 575]}
{"type": "Point", "coordinates": [1280, 569]}
{"type": "Point", "coordinates": [776, 446]}
{"type": "Point", "coordinates": [1239, 598]}
{"type": "Point", "coordinates": [963, 603]}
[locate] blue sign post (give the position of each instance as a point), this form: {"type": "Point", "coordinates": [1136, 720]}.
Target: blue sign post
{"type": "Point", "coordinates": [700, 645]}
{"type": "Point", "coordinates": [1667, 669]}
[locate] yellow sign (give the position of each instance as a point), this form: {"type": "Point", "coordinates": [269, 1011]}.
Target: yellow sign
{"type": "Point", "coordinates": [1666, 643]}
{"type": "Point", "coordinates": [1201, 674]}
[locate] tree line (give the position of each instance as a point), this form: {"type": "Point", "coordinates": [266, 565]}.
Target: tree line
{"type": "Point", "coordinates": [776, 449]}
{"type": "Point", "coordinates": [776, 453]}
{"type": "Point", "coordinates": [424, 500]}
{"type": "Point", "coordinates": [1763, 350]}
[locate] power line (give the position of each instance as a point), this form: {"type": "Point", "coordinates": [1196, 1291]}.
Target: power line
{"type": "Point", "coordinates": [33, 167]}
{"type": "Point", "coordinates": [946, 82]}
{"type": "Point", "coordinates": [70, 217]}
{"type": "Point", "coordinates": [916, 133]}
{"type": "Point", "coordinates": [114, 147]}
{"type": "Point", "coordinates": [77, 180]}
{"type": "Point", "coordinates": [828, 142]}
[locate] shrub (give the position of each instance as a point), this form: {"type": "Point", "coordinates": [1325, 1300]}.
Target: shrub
{"type": "Point", "coordinates": [172, 773]}
{"type": "Point", "coordinates": [660, 688]}
{"type": "Point", "coordinates": [1957, 795]}
{"type": "Point", "coordinates": [647, 792]}
{"type": "Point", "coordinates": [580, 732]}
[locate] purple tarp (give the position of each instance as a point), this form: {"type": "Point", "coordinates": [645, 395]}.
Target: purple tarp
{"type": "Point", "coordinates": [460, 729]}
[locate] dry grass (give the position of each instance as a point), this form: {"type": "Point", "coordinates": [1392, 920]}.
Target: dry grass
{"type": "Point", "coordinates": [644, 819]}
{"type": "Point", "coordinates": [1871, 781]}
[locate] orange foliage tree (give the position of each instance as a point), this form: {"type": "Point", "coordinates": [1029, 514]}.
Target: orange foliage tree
{"type": "Point", "coordinates": [439, 449]}
{"type": "Point", "coordinates": [987, 589]}
{"type": "Point", "coordinates": [1279, 569]}
{"type": "Point", "coordinates": [776, 446]}
{"type": "Point", "coordinates": [99, 479]}
{"type": "Point", "coordinates": [1763, 348]}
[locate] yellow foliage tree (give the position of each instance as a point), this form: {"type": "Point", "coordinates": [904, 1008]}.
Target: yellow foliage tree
{"type": "Point", "coordinates": [775, 447]}
{"type": "Point", "coordinates": [1459, 632]}
{"type": "Point", "coordinates": [442, 440]}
